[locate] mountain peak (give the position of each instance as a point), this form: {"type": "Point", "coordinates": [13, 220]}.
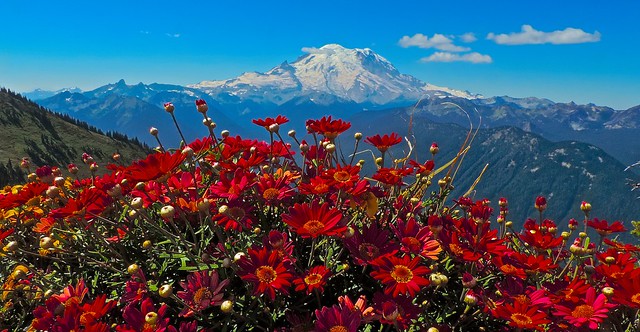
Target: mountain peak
{"type": "Point", "coordinates": [357, 75]}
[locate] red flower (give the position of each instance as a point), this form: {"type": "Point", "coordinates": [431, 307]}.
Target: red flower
{"type": "Point", "coordinates": [391, 176]}
{"type": "Point", "coordinates": [541, 203]}
{"type": "Point", "coordinates": [621, 246]}
{"type": "Point", "coordinates": [627, 289]}
{"type": "Point", "coordinates": [400, 275]}
{"type": "Point", "coordinates": [385, 142]}
{"type": "Point", "coordinates": [422, 169]}
{"type": "Point", "coordinates": [154, 166]}
{"type": "Point", "coordinates": [522, 316]}
{"type": "Point", "coordinates": [370, 243]}
{"type": "Point", "coordinates": [590, 311]}
{"type": "Point", "coordinates": [398, 311]}
{"type": "Point", "coordinates": [312, 220]}
{"type": "Point", "coordinates": [267, 271]}
{"type": "Point", "coordinates": [136, 319]}
{"type": "Point", "coordinates": [603, 228]}
{"type": "Point", "coordinates": [28, 192]}
{"type": "Point", "coordinates": [342, 177]}
{"type": "Point", "coordinates": [202, 290]}
{"type": "Point", "coordinates": [327, 127]}
{"type": "Point", "coordinates": [336, 319]}
{"type": "Point", "coordinates": [415, 239]}
{"type": "Point", "coordinates": [315, 278]}
{"type": "Point", "coordinates": [266, 123]}
{"type": "Point", "coordinates": [232, 185]}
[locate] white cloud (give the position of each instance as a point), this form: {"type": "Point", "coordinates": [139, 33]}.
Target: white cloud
{"type": "Point", "coordinates": [145, 32]}
{"type": "Point", "coordinates": [529, 35]}
{"type": "Point", "coordinates": [473, 57]}
{"type": "Point", "coordinates": [468, 37]}
{"type": "Point", "coordinates": [438, 41]}
{"type": "Point", "coordinates": [173, 35]}
{"type": "Point", "coordinates": [315, 50]}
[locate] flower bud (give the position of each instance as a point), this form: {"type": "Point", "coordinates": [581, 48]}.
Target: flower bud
{"type": "Point", "coordinates": [379, 161]}
{"type": "Point", "coordinates": [169, 107]}
{"type": "Point", "coordinates": [188, 151]}
{"type": "Point", "coordinates": [585, 207]}
{"type": "Point", "coordinates": [151, 318]}
{"type": "Point", "coordinates": [226, 306]}
{"type": "Point", "coordinates": [349, 232]}
{"type": "Point", "coordinates": [357, 136]}
{"type": "Point", "coordinates": [331, 148]}
{"type": "Point", "coordinates": [11, 246]}
{"type": "Point", "coordinates": [224, 133]}
{"type": "Point", "coordinates": [153, 131]}
{"type": "Point", "coordinates": [434, 149]}
{"type": "Point", "coordinates": [147, 244]}
{"type": "Point", "coordinates": [165, 291]}
{"type": "Point", "coordinates": [167, 212]}
{"type": "Point", "coordinates": [53, 192]}
{"type": "Point", "coordinates": [46, 242]}
{"type": "Point", "coordinates": [204, 205]}
{"type": "Point", "coordinates": [607, 291]}
{"type": "Point", "coordinates": [226, 262]}
{"type": "Point", "coordinates": [136, 203]}
{"type": "Point", "coordinates": [133, 269]}
{"type": "Point", "coordinates": [470, 299]}
{"type": "Point", "coordinates": [610, 260]}
{"type": "Point", "coordinates": [582, 235]}
{"type": "Point", "coordinates": [202, 106]}
{"type": "Point", "coordinates": [292, 133]}
{"type": "Point", "coordinates": [565, 235]}
{"type": "Point", "coordinates": [238, 256]}
{"type": "Point", "coordinates": [59, 181]}
{"type": "Point", "coordinates": [541, 203]}
{"type": "Point", "coordinates": [274, 128]}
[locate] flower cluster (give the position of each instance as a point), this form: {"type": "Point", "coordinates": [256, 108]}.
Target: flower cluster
{"type": "Point", "coordinates": [230, 233]}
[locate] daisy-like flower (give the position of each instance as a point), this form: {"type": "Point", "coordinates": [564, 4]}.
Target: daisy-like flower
{"type": "Point", "coordinates": [370, 243]}
{"type": "Point", "coordinates": [336, 319]}
{"type": "Point", "coordinates": [400, 275]}
{"type": "Point", "coordinates": [145, 319]}
{"type": "Point", "coordinates": [383, 143]}
{"type": "Point", "coordinates": [627, 290]}
{"type": "Point", "coordinates": [315, 278]}
{"type": "Point", "coordinates": [267, 271]}
{"type": "Point", "coordinates": [391, 176]}
{"type": "Point", "coordinates": [312, 220]}
{"type": "Point", "coordinates": [154, 166]}
{"type": "Point", "coordinates": [603, 228]}
{"type": "Point", "coordinates": [343, 177]}
{"type": "Point", "coordinates": [522, 316]}
{"type": "Point", "coordinates": [589, 312]}
{"type": "Point", "coordinates": [328, 127]}
{"type": "Point", "coordinates": [415, 239]}
{"type": "Point", "coordinates": [621, 246]}
{"type": "Point", "coordinates": [202, 290]}
{"type": "Point", "coordinates": [266, 123]}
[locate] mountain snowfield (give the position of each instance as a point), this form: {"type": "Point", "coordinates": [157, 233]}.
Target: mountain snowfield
{"type": "Point", "coordinates": [358, 75]}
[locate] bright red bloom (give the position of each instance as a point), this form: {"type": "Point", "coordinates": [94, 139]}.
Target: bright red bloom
{"type": "Point", "coordinates": [366, 313]}
{"type": "Point", "coordinates": [603, 228]}
{"type": "Point", "coordinates": [522, 316]}
{"type": "Point", "coordinates": [391, 176]}
{"type": "Point", "coordinates": [279, 120]}
{"type": "Point", "coordinates": [236, 214]}
{"type": "Point", "coordinates": [533, 263]}
{"type": "Point", "coordinates": [422, 169]}
{"type": "Point", "coordinates": [274, 190]}
{"type": "Point", "coordinates": [327, 127]}
{"type": "Point", "coordinates": [509, 266]}
{"type": "Point", "coordinates": [202, 290]}
{"type": "Point", "coordinates": [94, 311]}
{"type": "Point", "coordinates": [267, 271]}
{"type": "Point", "coordinates": [154, 166]}
{"type": "Point", "coordinates": [621, 246]}
{"type": "Point", "coordinates": [400, 275]}
{"type": "Point", "coordinates": [90, 203]}
{"type": "Point", "coordinates": [28, 192]}
{"type": "Point", "coordinates": [233, 185]}
{"type": "Point", "coordinates": [342, 177]}
{"type": "Point", "coordinates": [135, 289]}
{"type": "Point", "coordinates": [542, 241]}
{"type": "Point", "coordinates": [317, 185]}
{"type": "Point", "coordinates": [336, 319]}
{"type": "Point", "coordinates": [589, 312]}
{"type": "Point", "coordinates": [398, 311]}
{"type": "Point", "coordinates": [383, 143]}
{"type": "Point", "coordinates": [627, 289]}
{"type": "Point", "coordinates": [312, 220]}
{"type": "Point", "coordinates": [315, 278]}
{"type": "Point", "coordinates": [415, 239]}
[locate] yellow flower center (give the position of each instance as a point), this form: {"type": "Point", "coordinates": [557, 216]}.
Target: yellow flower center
{"type": "Point", "coordinates": [636, 298]}
{"type": "Point", "coordinates": [583, 311]}
{"type": "Point", "coordinates": [321, 188]}
{"type": "Point", "coordinates": [521, 319]}
{"type": "Point", "coordinates": [368, 251]}
{"type": "Point", "coordinates": [342, 176]}
{"type": "Point", "coordinates": [401, 274]}
{"type": "Point", "coordinates": [202, 294]}
{"type": "Point", "coordinates": [266, 274]}
{"type": "Point", "coordinates": [313, 227]}
{"type": "Point", "coordinates": [456, 249]}
{"type": "Point", "coordinates": [313, 279]}
{"type": "Point", "coordinates": [271, 194]}
{"type": "Point", "coordinates": [508, 268]}
{"type": "Point", "coordinates": [338, 328]}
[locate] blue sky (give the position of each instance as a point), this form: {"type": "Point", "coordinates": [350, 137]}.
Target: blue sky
{"type": "Point", "coordinates": [582, 51]}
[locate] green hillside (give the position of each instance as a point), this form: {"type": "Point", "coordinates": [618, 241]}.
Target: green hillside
{"type": "Point", "coordinates": [46, 138]}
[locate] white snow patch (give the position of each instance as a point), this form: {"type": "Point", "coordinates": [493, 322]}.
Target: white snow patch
{"type": "Point", "coordinates": [535, 169]}
{"type": "Point", "coordinates": [565, 164]}
{"type": "Point", "coordinates": [600, 159]}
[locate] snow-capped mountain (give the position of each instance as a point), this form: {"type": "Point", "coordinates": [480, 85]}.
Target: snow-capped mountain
{"type": "Point", "coordinates": [356, 75]}
{"type": "Point", "coordinates": [39, 94]}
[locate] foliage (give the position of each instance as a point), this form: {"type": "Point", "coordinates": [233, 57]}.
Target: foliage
{"type": "Point", "coordinates": [234, 234]}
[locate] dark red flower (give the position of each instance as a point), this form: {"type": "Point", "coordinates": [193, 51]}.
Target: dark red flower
{"type": "Point", "coordinates": [541, 203]}
{"type": "Point", "coordinates": [336, 319]}
{"type": "Point", "coordinates": [370, 243]}
{"type": "Point", "coordinates": [314, 278]}
{"type": "Point", "coordinates": [401, 275]}
{"type": "Point", "coordinates": [267, 271]}
{"type": "Point", "coordinates": [398, 311]}
{"type": "Point", "coordinates": [522, 316]}
{"type": "Point", "coordinates": [136, 319]}
{"type": "Point", "coordinates": [627, 289]}
{"type": "Point", "coordinates": [315, 219]}
{"type": "Point", "coordinates": [383, 143]}
{"type": "Point", "coordinates": [422, 169]}
{"type": "Point", "coordinates": [202, 290]}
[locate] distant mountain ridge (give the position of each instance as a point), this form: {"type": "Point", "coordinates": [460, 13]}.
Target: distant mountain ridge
{"type": "Point", "coordinates": [340, 81]}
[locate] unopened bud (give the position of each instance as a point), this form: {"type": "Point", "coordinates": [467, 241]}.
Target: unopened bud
{"type": "Point", "coordinates": [153, 131]}
{"type": "Point", "coordinates": [165, 291]}
{"type": "Point", "coordinates": [167, 212]}
{"type": "Point", "coordinates": [226, 306]}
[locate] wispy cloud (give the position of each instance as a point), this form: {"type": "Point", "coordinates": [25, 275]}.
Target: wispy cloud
{"type": "Point", "coordinates": [144, 32]}
{"type": "Point", "coordinates": [529, 35]}
{"type": "Point", "coordinates": [315, 50]}
{"type": "Point", "coordinates": [468, 37]}
{"type": "Point", "coordinates": [473, 57]}
{"type": "Point", "coordinates": [438, 41]}
{"type": "Point", "coordinates": [173, 35]}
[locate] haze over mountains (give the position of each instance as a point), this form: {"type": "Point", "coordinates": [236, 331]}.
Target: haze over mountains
{"type": "Point", "coordinates": [363, 87]}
